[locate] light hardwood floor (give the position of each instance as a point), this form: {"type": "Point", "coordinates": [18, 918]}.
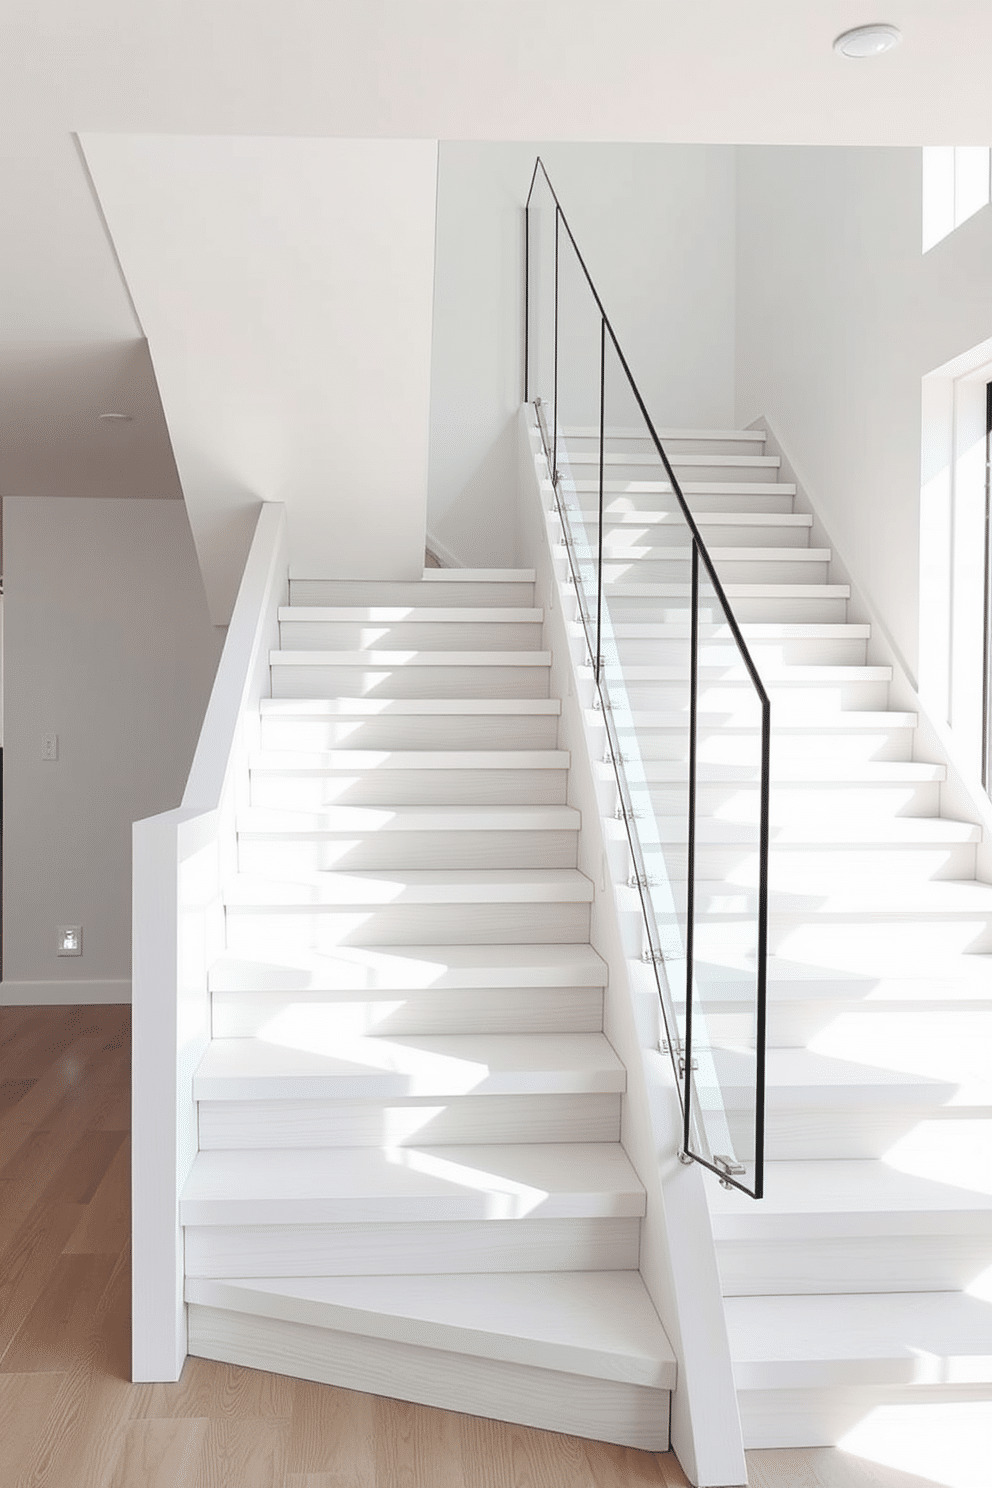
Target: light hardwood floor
{"type": "Point", "coordinates": [69, 1415]}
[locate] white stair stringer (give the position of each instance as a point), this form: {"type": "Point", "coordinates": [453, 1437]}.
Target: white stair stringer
{"type": "Point", "coordinates": [861, 1280]}
{"type": "Point", "coordinates": [410, 1179]}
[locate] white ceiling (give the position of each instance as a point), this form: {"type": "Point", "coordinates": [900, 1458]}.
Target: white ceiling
{"type": "Point", "coordinates": [670, 70]}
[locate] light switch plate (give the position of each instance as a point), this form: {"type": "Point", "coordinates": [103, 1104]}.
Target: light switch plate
{"type": "Point", "coordinates": [49, 746]}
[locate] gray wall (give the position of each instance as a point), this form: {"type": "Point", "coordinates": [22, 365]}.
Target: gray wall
{"type": "Point", "coordinates": [839, 317]}
{"type": "Point", "coordinates": [656, 226]}
{"type": "Point", "coordinates": [107, 642]}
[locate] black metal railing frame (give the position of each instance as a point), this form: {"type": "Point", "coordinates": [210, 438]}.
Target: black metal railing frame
{"type": "Point", "coordinates": [679, 1049]}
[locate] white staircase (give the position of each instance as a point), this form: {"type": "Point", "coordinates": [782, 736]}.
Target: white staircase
{"type": "Point", "coordinates": [410, 1179]}
{"type": "Point", "coordinates": [847, 1286]}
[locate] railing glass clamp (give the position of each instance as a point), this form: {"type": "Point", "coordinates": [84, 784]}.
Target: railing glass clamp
{"type": "Point", "coordinates": [728, 1165]}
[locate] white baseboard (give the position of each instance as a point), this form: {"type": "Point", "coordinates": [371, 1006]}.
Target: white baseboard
{"type": "Point", "coordinates": [54, 994]}
{"type": "Point", "coordinates": [442, 553]}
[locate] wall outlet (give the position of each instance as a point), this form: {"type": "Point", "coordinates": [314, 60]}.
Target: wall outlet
{"type": "Point", "coordinates": [49, 746]}
{"type": "Point", "coordinates": [69, 940]}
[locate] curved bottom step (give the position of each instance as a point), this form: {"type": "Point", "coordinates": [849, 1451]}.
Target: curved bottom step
{"type": "Point", "coordinates": [574, 1352]}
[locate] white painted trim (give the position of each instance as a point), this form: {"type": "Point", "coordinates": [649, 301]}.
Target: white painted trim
{"type": "Point", "coordinates": [442, 552]}
{"type": "Point", "coordinates": [64, 994]}
{"type": "Point", "coordinates": [181, 860]}
{"type": "Point", "coordinates": [678, 1256]}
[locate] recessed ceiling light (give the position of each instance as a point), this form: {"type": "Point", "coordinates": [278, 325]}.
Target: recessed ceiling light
{"type": "Point", "coordinates": [115, 418]}
{"type": "Point", "coordinates": [868, 41]}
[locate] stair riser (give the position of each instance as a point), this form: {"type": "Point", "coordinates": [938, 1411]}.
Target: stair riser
{"type": "Point", "coordinates": [486, 1010]}
{"type": "Point", "coordinates": [766, 655]}
{"type": "Point", "coordinates": [582, 464]}
{"type": "Point", "coordinates": [816, 869]}
{"type": "Point", "coordinates": [822, 1418]}
{"type": "Point", "coordinates": [445, 731]}
{"type": "Point", "coordinates": [642, 567]}
{"type": "Point", "coordinates": [602, 1410]}
{"type": "Point", "coordinates": [382, 592]}
{"type": "Point", "coordinates": [305, 681]}
{"type": "Point", "coordinates": [873, 944]}
{"type": "Point", "coordinates": [409, 635]}
{"type": "Point", "coordinates": [410, 850]}
{"type": "Point", "coordinates": [760, 611]}
{"type": "Point", "coordinates": [402, 1122]}
{"type": "Point", "coordinates": [415, 924]}
{"type": "Point", "coordinates": [673, 443]}
{"type": "Point", "coordinates": [795, 804]}
{"type": "Point", "coordinates": [715, 745]}
{"type": "Point", "coordinates": [424, 1249]}
{"type": "Point", "coordinates": [859, 1132]}
{"type": "Point", "coordinates": [799, 702]}
{"type": "Point", "coordinates": [867, 1263]}
{"type": "Point", "coordinates": [649, 502]}
{"type": "Point", "coordinates": [410, 788]}
{"type": "Point", "coordinates": [622, 528]}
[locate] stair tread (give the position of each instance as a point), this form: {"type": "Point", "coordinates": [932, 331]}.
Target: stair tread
{"type": "Point", "coordinates": [326, 657]}
{"type": "Point", "coordinates": [751, 631]}
{"type": "Point", "coordinates": [798, 1078]}
{"type": "Point", "coordinates": [598, 1323]}
{"type": "Point", "coordinates": [650, 457]}
{"type": "Point", "coordinates": [843, 720]}
{"type": "Point", "coordinates": [374, 707]}
{"type": "Point", "coordinates": [307, 761]}
{"type": "Point", "coordinates": [452, 1064]}
{"type": "Point", "coordinates": [937, 1337]}
{"type": "Point", "coordinates": [257, 822]}
{"type": "Point", "coordinates": [689, 488]}
{"type": "Point", "coordinates": [717, 899]}
{"type": "Point", "coordinates": [387, 887]}
{"type": "Point", "coordinates": [829, 1197]}
{"type": "Point", "coordinates": [721, 555]}
{"type": "Point", "coordinates": [898, 831]}
{"type": "Point", "coordinates": [788, 771]}
{"type": "Point", "coordinates": [416, 614]}
{"type": "Point", "coordinates": [369, 1185]}
{"type": "Point", "coordinates": [778, 675]}
{"type": "Point", "coordinates": [472, 576]}
{"type": "Point", "coordinates": [410, 967]}
{"type": "Point", "coordinates": [589, 431]}
{"type": "Point", "coordinates": [615, 517]}
{"type": "Point", "coordinates": [620, 590]}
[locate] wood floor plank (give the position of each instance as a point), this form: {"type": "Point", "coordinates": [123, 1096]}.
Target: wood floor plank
{"type": "Point", "coordinates": [511, 1456]}
{"type": "Point", "coordinates": [825, 1467]}
{"type": "Point", "coordinates": [624, 1467]}
{"type": "Point", "coordinates": [106, 1223]}
{"type": "Point", "coordinates": [25, 1403]}
{"type": "Point", "coordinates": [250, 1452]}
{"type": "Point", "coordinates": [27, 1260]}
{"type": "Point", "coordinates": [220, 1391]}
{"type": "Point", "coordinates": [160, 1454]}
{"type": "Point", "coordinates": [416, 1446]}
{"type": "Point", "coordinates": [13, 1089]}
{"type": "Point", "coordinates": [81, 1440]}
{"type": "Point", "coordinates": [55, 1330]}
{"type": "Point", "coordinates": [332, 1433]}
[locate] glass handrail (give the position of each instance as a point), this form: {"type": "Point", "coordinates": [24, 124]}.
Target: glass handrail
{"type": "Point", "coordinates": [687, 717]}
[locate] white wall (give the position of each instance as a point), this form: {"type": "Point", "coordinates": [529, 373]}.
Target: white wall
{"type": "Point", "coordinates": [839, 317]}
{"type": "Point", "coordinates": [285, 286]}
{"type": "Point", "coordinates": [108, 643]}
{"type": "Point", "coordinates": [655, 224]}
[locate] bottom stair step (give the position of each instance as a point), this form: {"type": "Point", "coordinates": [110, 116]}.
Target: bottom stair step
{"type": "Point", "coordinates": [809, 1368]}
{"type": "Point", "coordinates": [576, 1352]}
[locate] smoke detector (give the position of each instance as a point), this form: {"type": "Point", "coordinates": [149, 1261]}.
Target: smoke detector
{"type": "Point", "coordinates": [868, 41]}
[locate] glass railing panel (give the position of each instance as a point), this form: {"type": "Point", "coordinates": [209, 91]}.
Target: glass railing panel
{"type": "Point", "coordinates": [687, 720]}
{"type": "Point", "coordinates": [646, 573]}
{"type": "Point", "coordinates": [724, 1026]}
